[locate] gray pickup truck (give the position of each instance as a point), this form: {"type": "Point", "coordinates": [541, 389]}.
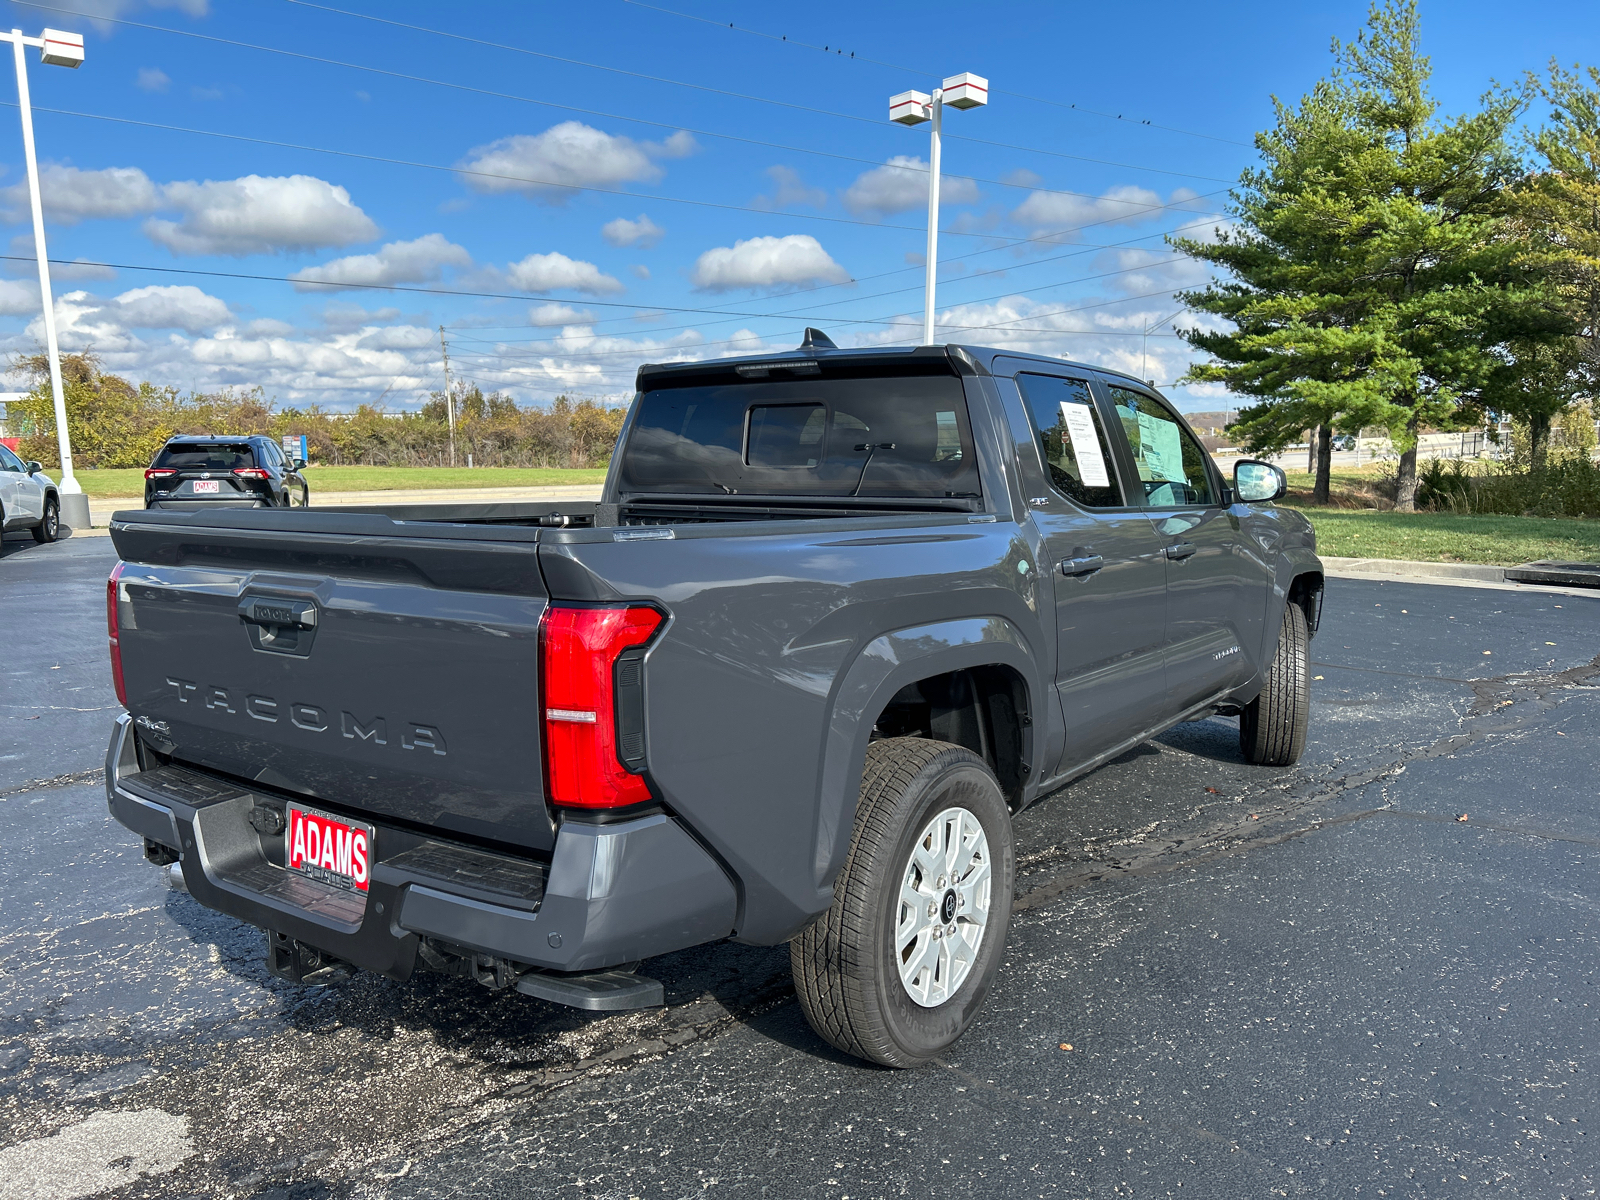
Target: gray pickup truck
{"type": "Point", "coordinates": [837, 617]}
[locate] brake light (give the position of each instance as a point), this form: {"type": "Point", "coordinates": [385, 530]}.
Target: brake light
{"type": "Point", "coordinates": [252, 472]}
{"type": "Point", "coordinates": [111, 632]}
{"type": "Point", "coordinates": [593, 704]}
{"type": "Point", "coordinates": [160, 473]}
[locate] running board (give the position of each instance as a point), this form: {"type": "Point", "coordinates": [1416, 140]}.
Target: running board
{"type": "Point", "coordinates": [598, 991]}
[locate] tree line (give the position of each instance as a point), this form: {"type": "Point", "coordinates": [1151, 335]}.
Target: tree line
{"type": "Point", "coordinates": [116, 423]}
{"type": "Point", "coordinates": [1390, 266]}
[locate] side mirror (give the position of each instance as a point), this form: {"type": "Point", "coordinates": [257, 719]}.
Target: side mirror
{"type": "Point", "coordinates": [34, 467]}
{"type": "Point", "coordinates": [299, 464]}
{"type": "Point", "coordinates": [1255, 482]}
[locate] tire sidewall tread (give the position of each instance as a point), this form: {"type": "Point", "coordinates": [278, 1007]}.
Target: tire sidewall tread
{"type": "Point", "coordinates": [848, 982]}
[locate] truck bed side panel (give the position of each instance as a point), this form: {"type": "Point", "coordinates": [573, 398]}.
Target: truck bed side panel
{"type": "Point", "coordinates": [741, 686]}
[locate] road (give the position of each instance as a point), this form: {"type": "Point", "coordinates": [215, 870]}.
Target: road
{"type": "Point", "coordinates": [1314, 981]}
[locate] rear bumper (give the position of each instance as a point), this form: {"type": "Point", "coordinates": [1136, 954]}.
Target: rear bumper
{"type": "Point", "coordinates": [611, 894]}
{"type": "Point", "coordinates": [197, 504]}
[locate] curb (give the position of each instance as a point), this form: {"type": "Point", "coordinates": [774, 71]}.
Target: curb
{"type": "Point", "coordinates": [1357, 567]}
{"type": "Point", "coordinates": [1471, 575]}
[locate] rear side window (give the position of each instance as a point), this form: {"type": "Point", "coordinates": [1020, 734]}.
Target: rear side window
{"type": "Point", "coordinates": [1072, 439]}
{"type": "Point", "coordinates": [204, 456]}
{"type": "Point", "coordinates": [1171, 464]}
{"type": "Point", "coordinates": [881, 436]}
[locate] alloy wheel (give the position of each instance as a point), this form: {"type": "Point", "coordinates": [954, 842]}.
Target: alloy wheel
{"type": "Point", "coordinates": [944, 907]}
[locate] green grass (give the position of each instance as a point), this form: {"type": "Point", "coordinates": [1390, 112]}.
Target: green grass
{"type": "Point", "coordinates": [1441, 537]}
{"type": "Point", "coordinates": [130, 481]}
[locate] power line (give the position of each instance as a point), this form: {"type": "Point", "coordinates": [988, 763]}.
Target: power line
{"type": "Point", "coordinates": [1053, 237]}
{"type": "Point", "coordinates": [854, 57]}
{"type": "Point", "coordinates": [577, 62]}
{"type": "Point", "coordinates": [189, 33]}
{"type": "Point", "coordinates": [589, 355]}
{"type": "Point", "coordinates": [559, 185]}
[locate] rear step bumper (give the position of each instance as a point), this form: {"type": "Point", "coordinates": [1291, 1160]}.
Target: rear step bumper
{"type": "Point", "coordinates": [611, 894]}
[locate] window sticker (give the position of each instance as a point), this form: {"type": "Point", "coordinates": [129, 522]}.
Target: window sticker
{"type": "Point", "coordinates": [1161, 448]}
{"type": "Point", "coordinates": [1085, 445]}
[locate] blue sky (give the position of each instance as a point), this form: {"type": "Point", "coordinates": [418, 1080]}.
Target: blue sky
{"type": "Point", "coordinates": [752, 186]}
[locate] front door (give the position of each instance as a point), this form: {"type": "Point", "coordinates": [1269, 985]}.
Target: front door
{"type": "Point", "coordinates": [20, 496]}
{"type": "Point", "coordinates": [1214, 585]}
{"type": "Point", "coordinates": [1108, 572]}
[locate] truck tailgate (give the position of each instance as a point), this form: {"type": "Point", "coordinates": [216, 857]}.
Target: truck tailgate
{"type": "Point", "coordinates": [385, 667]}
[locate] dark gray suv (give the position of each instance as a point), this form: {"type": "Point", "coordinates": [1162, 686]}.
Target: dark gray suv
{"type": "Point", "coordinates": [200, 470]}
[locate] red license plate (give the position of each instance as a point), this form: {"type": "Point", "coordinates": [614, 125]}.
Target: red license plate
{"type": "Point", "coordinates": [207, 485]}
{"type": "Point", "coordinates": [328, 849]}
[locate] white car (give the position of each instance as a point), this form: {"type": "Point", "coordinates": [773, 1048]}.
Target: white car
{"type": "Point", "coordinates": [28, 498]}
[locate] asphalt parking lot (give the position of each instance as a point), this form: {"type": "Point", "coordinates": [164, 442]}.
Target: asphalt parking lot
{"type": "Point", "coordinates": [1314, 981]}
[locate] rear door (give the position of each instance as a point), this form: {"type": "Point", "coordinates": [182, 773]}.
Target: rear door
{"type": "Point", "coordinates": [1108, 569]}
{"type": "Point", "coordinates": [382, 668]}
{"type": "Point", "coordinates": [1215, 584]}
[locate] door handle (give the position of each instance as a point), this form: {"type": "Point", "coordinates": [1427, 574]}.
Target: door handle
{"type": "Point", "coordinates": [1181, 550]}
{"type": "Point", "coordinates": [280, 614]}
{"type": "Point", "coordinates": [1087, 564]}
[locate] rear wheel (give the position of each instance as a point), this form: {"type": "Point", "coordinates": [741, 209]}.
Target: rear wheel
{"type": "Point", "coordinates": [49, 527]}
{"type": "Point", "coordinates": [897, 969]}
{"type": "Point", "coordinates": [1272, 727]}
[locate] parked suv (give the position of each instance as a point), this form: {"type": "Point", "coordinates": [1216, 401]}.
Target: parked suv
{"type": "Point", "coordinates": [195, 470]}
{"type": "Point", "coordinates": [28, 498]}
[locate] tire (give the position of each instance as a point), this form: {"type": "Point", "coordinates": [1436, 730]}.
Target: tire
{"type": "Point", "coordinates": [848, 965]}
{"type": "Point", "coordinates": [1272, 727]}
{"type": "Point", "coordinates": [305, 497]}
{"type": "Point", "coordinates": [49, 527]}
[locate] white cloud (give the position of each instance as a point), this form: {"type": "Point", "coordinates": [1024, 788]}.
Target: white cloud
{"type": "Point", "coordinates": [789, 189]}
{"type": "Point", "coordinates": [639, 269]}
{"type": "Point", "coordinates": [152, 79]}
{"type": "Point", "coordinates": [70, 195]}
{"type": "Point", "coordinates": [797, 260]}
{"type": "Point", "coordinates": [343, 315]}
{"type": "Point", "coordinates": [570, 155]}
{"type": "Point", "coordinates": [268, 327]}
{"type": "Point", "coordinates": [1059, 212]}
{"type": "Point", "coordinates": [18, 298]}
{"type": "Point", "coordinates": [556, 272]}
{"type": "Point", "coordinates": [558, 314]}
{"type": "Point", "coordinates": [1150, 271]}
{"type": "Point", "coordinates": [259, 214]}
{"type": "Point", "coordinates": [643, 233]}
{"type": "Point", "coordinates": [163, 307]}
{"type": "Point", "coordinates": [901, 185]}
{"type": "Point", "coordinates": [416, 261]}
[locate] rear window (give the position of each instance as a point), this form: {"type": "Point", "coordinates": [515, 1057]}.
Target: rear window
{"type": "Point", "coordinates": [806, 437]}
{"type": "Point", "coordinates": [206, 456]}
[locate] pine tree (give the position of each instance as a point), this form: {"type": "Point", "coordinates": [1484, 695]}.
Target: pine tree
{"type": "Point", "coordinates": [1375, 278]}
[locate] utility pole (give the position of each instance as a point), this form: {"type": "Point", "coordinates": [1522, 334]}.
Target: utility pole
{"type": "Point", "coordinates": [449, 395]}
{"type": "Point", "coordinates": [57, 49]}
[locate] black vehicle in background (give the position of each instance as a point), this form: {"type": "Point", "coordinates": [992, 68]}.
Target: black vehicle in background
{"type": "Point", "coordinates": [199, 470]}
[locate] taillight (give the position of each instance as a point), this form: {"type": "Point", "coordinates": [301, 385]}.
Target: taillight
{"type": "Point", "coordinates": [111, 632]}
{"type": "Point", "coordinates": [251, 472]}
{"type": "Point", "coordinates": [160, 473]}
{"type": "Point", "coordinates": [593, 704]}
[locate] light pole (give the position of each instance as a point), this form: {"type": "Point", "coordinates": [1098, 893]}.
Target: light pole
{"type": "Point", "coordinates": [913, 108]}
{"type": "Point", "coordinates": [56, 49]}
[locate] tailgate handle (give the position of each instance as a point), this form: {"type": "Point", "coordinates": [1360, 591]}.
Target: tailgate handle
{"type": "Point", "coordinates": [278, 614]}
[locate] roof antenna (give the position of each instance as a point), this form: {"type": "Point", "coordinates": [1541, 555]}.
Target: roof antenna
{"type": "Point", "coordinates": [817, 340]}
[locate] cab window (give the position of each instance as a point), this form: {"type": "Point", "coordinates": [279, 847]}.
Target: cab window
{"type": "Point", "coordinates": [9, 461]}
{"type": "Point", "coordinates": [1071, 439]}
{"type": "Point", "coordinates": [1170, 462]}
